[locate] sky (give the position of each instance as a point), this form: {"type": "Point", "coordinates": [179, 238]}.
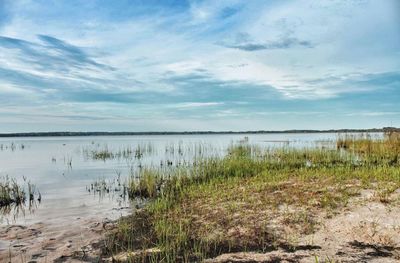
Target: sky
{"type": "Point", "coordinates": [184, 65]}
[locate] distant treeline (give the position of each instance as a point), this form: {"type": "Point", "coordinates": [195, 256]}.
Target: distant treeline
{"type": "Point", "coordinates": [51, 134]}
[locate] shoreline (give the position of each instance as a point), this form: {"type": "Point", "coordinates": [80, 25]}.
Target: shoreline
{"type": "Point", "coordinates": [250, 205]}
{"type": "Point", "coordinates": [346, 236]}
{"type": "Point", "coordinates": [301, 131]}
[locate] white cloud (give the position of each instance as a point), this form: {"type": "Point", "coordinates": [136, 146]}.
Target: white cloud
{"type": "Point", "coordinates": [195, 104]}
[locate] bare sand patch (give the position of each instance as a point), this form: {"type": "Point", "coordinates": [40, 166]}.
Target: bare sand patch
{"type": "Point", "coordinates": [366, 231]}
{"type": "Point", "coordinates": [76, 240]}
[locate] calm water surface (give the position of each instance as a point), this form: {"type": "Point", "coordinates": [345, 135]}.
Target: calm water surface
{"type": "Point", "coordinates": [62, 167]}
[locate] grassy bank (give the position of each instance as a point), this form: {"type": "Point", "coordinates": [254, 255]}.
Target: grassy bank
{"type": "Point", "coordinates": [253, 199]}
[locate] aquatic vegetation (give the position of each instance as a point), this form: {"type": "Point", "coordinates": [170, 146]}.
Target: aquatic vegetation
{"type": "Point", "coordinates": [68, 161]}
{"type": "Point", "coordinates": [11, 192]}
{"type": "Point", "coordinates": [365, 144]}
{"type": "Point", "coordinates": [252, 199]}
{"type": "Point", "coordinates": [31, 191]}
{"type": "Point", "coordinates": [104, 186]}
{"type": "Point", "coordinates": [12, 146]}
{"type": "Point", "coordinates": [98, 152]}
{"type": "Point", "coordinates": [174, 154]}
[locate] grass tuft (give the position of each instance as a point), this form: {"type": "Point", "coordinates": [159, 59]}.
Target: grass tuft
{"type": "Point", "coordinates": [11, 192]}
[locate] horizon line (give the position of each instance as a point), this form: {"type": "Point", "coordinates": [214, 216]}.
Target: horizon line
{"type": "Point", "coordinates": [127, 133]}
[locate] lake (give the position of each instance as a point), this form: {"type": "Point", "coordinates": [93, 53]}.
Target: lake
{"type": "Point", "coordinates": [63, 169]}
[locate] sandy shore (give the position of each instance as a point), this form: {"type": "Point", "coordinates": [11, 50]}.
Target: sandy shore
{"type": "Point", "coordinates": [366, 231]}
{"type": "Point", "coordinates": [76, 240]}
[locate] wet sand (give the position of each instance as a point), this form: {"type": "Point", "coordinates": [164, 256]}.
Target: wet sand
{"type": "Point", "coordinates": [64, 240]}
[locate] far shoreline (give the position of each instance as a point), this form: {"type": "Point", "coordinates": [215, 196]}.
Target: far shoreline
{"type": "Point", "coordinates": [75, 134]}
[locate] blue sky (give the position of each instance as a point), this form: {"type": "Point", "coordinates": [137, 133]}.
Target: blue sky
{"type": "Point", "coordinates": [198, 65]}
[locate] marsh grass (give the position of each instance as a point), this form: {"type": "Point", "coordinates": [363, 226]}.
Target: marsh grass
{"type": "Point", "coordinates": [112, 187]}
{"type": "Point", "coordinates": [387, 147]}
{"type": "Point", "coordinates": [252, 199]}
{"type": "Point", "coordinates": [11, 192]}
{"type": "Point", "coordinates": [147, 186]}
{"type": "Point", "coordinates": [12, 146]}
{"type": "Point", "coordinates": [104, 152]}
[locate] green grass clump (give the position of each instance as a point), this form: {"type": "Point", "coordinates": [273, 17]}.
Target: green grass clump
{"type": "Point", "coordinates": [11, 192]}
{"type": "Point", "coordinates": [252, 199]}
{"type": "Point", "coordinates": [147, 186]}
